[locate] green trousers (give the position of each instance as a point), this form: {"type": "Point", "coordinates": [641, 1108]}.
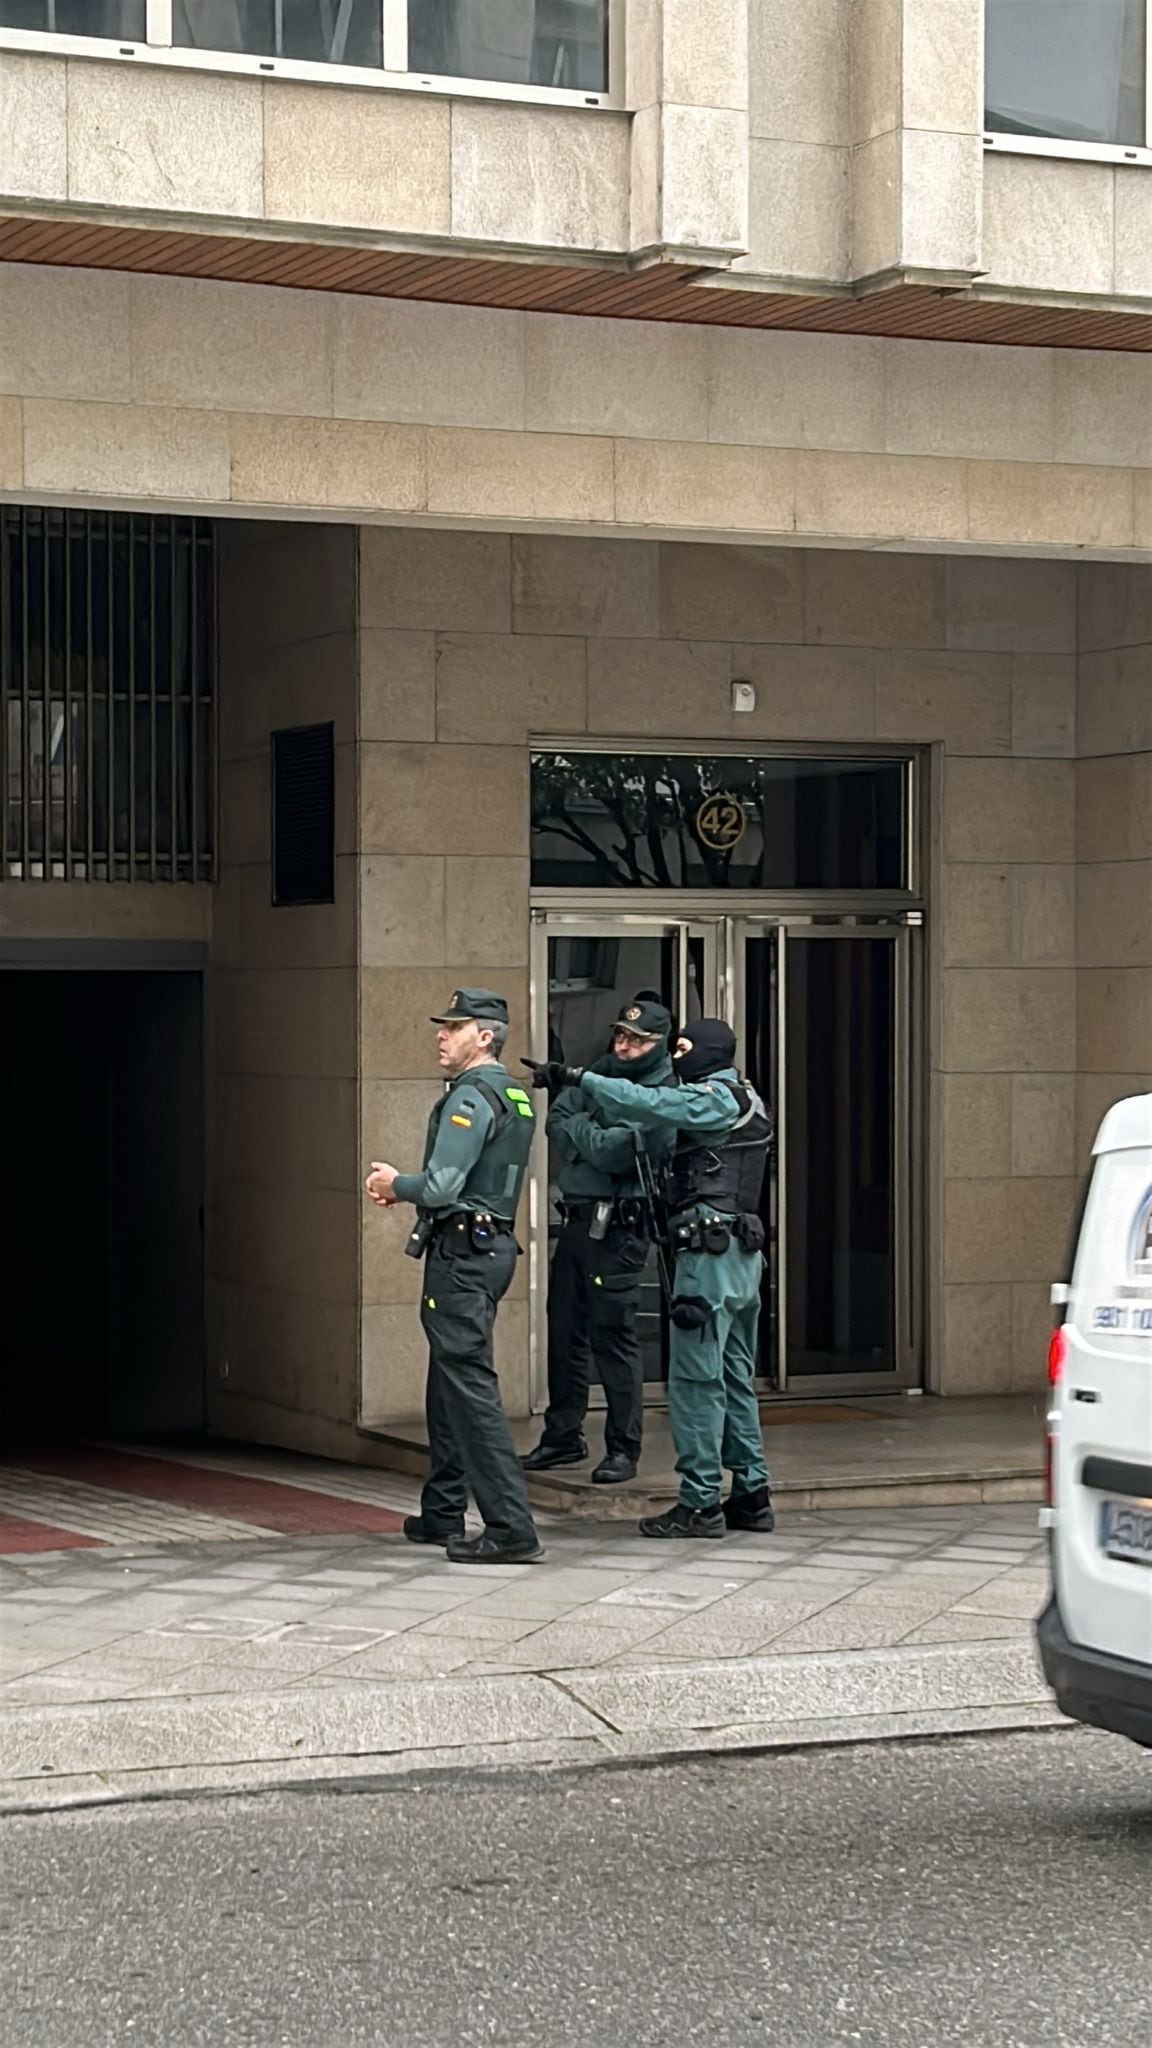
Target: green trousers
{"type": "Point", "coordinates": [469, 1440]}
{"type": "Point", "coordinates": [712, 1407]}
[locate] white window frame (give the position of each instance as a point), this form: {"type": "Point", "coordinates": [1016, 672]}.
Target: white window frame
{"type": "Point", "coordinates": [393, 75]}
{"type": "Point", "coordinates": [1087, 152]}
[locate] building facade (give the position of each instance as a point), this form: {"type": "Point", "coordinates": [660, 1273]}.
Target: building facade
{"type": "Point", "coordinates": [574, 496]}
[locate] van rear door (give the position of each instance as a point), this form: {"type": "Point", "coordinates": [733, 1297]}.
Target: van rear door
{"type": "Point", "coordinates": [1102, 1555]}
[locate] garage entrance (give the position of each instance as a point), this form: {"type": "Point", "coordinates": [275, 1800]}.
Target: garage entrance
{"type": "Point", "coordinates": [102, 1207]}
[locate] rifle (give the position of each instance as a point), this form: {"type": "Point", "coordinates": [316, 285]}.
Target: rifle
{"type": "Point", "coordinates": [653, 1199]}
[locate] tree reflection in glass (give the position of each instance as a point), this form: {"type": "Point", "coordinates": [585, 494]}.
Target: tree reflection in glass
{"type": "Point", "coordinates": [652, 821]}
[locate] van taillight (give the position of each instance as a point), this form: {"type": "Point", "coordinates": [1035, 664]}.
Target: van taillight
{"type": "Point", "coordinates": [1057, 1354]}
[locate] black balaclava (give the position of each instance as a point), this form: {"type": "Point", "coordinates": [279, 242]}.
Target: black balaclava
{"type": "Point", "coordinates": [712, 1045]}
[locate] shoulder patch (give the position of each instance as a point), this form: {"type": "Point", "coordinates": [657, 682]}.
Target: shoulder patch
{"type": "Point", "coordinates": [465, 1122]}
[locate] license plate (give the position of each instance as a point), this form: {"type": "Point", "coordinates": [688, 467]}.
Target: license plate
{"type": "Point", "coordinates": [1126, 1533]}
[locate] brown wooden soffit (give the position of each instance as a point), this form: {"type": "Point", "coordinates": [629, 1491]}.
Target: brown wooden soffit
{"type": "Point", "coordinates": [664, 292]}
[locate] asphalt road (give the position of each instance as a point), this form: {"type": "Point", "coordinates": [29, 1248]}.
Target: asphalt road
{"type": "Point", "coordinates": [986, 1891]}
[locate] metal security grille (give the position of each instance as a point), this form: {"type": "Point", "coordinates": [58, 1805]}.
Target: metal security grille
{"type": "Point", "coordinates": [107, 694]}
{"type": "Point", "coordinates": [304, 815]}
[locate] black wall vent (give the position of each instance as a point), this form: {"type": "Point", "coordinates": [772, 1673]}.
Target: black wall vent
{"type": "Point", "coordinates": [304, 815]}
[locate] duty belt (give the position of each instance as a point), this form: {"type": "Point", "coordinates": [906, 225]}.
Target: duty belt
{"type": "Point", "coordinates": [467, 1219]}
{"type": "Point", "coordinates": [690, 1232]}
{"type": "Point", "coordinates": [477, 1226]}
{"type": "Point", "coordinates": [628, 1212]}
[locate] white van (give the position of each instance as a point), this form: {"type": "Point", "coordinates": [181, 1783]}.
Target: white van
{"type": "Point", "coordinates": [1095, 1635]}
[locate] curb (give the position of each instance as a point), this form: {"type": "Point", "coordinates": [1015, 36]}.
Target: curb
{"type": "Point", "coordinates": [56, 1758]}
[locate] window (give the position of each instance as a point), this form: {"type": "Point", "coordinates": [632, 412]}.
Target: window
{"type": "Point", "coordinates": [1072, 71]}
{"type": "Point", "coordinates": [315, 31]}
{"type": "Point", "coordinates": [728, 821]}
{"type": "Point", "coordinates": [505, 48]}
{"type": "Point", "coordinates": [552, 42]}
{"type": "Point", "coordinates": [107, 687]}
{"type": "Point", "coordinates": [120, 20]}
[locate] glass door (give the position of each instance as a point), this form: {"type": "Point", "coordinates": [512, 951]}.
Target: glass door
{"type": "Point", "coordinates": [585, 973]}
{"type": "Point", "coordinates": [822, 1009]}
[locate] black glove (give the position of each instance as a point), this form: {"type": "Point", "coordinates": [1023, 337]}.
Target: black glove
{"type": "Point", "coordinates": [552, 1075]}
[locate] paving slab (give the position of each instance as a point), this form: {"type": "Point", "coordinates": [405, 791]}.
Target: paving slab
{"type": "Point", "coordinates": [822, 1687]}
{"type": "Point", "coordinates": [157, 1734]}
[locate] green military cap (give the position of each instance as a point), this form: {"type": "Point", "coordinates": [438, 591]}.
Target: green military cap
{"type": "Point", "coordinates": [645, 1019]}
{"type": "Point", "coordinates": [481, 1005]}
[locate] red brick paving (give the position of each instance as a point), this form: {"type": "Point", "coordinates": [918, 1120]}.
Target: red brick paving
{"type": "Point", "coordinates": [19, 1534]}
{"type": "Point", "coordinates": [265, 1503]}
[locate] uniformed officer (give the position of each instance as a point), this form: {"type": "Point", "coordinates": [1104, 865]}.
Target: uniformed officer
{"type": "Point", "coordinates": [723, 1134]}
{"type": "Point", "coordinates": [475, 1157]}
{"type": "Point", "coordinates": [600, 1256]}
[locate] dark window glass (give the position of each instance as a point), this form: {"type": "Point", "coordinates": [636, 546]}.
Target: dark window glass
{"type": "Point", "coordinates": [520, 42]}
{"type": "Point", "coordinates": [840, 996]}
{"type": "Point", "coordinates": [311, 31]}
{"type": "Point", "coordinates": [1072, 70]}
{"type": "Point", "coordinates": [304, 815]}
{"type": "Point", "coordinates": [650, 821]}
{"type": "Point", "coordinates": [107, 660]}
{"type": "Point", "coordinates": [123, 21]}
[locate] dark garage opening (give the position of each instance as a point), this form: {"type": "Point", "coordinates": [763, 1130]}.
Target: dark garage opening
{"type": "Point", "coordinates": [102, 1215]}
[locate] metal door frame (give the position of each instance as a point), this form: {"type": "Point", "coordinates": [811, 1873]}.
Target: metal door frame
{"type": "Point", "coordinates": [900, 930]}
{"type": "Point", "coordinates": [723, 923]}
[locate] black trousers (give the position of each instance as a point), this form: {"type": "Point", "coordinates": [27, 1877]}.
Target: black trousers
{"type": "Point", "coordinates": [469, 1440]}
{"type": "Point", "coordinates": [593, 1295]}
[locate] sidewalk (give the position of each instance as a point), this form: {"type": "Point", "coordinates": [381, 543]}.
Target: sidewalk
{"type": "Point", "coordinates": [243, 1659]}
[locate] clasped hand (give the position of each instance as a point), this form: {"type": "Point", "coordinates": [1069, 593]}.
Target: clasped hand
{"type": "Point", "coordinates": [380, 1184]}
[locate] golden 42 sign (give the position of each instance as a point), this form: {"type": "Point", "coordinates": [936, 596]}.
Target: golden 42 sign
{"type": "Point", "coordinates": [721, 821]}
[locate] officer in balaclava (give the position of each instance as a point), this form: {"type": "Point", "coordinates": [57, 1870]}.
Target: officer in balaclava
{"type": "Point", "coordinates": [722, 1134]}
{"type": "Point", "coordinates": [601, 1253]}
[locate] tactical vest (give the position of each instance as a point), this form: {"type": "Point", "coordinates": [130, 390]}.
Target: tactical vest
{"type": "Point", "coordinates": [728, 1172]}
{"type": "Point", "coordinates": [498, 1175]}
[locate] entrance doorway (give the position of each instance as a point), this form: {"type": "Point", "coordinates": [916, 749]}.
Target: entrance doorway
{"type": "Point", "coordinates": [823, 1004]}
{"type": "Point", "coordinates": [102, 1222]}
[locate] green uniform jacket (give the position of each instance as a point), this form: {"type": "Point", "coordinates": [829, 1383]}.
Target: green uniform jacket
{"type": "Point", "coordinates": [597, 1153]}
{"type": "Point", "coordinates": [685, 1111]}
{"type": "Point", "coordinates": [474, 1159]}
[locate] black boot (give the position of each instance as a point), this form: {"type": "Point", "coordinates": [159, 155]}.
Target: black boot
{"type": "Point", "coordinates": [682, 1521]}
{"type": "Point", "coordinates": [614, 1469]}
{"type": "Point", "coordinates": [486, 1550]}
{"type": "Point", "coordinates": [417, 1530]}
{"type": "Point", "coordinates": [547, 1455]}
{"type": "Point", "coordinates": [750, 1511]}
